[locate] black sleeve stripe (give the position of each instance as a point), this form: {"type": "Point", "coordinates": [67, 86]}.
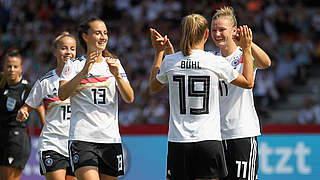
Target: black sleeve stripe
{"type": "Point", "coordinates": [46, 77]}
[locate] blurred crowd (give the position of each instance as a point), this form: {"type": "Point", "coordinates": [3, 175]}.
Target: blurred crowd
{"type": "Point", "coordinates": [288, 30]}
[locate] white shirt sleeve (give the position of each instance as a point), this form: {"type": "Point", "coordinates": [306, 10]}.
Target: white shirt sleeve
{"type": "Point", "coordinates": [162, 75]}
{"type": "Point", "coordinates": [35, 97]}
{"type": "Point", "coordinates": [225, 70]}
{"type": "Point", "coordinates": [122, 71]}
{"type": "Point", "coordinates": [68, 71]}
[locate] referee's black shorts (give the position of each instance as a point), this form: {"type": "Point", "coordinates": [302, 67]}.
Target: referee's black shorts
{"type": "Point", "coordinates": [15, 148]}
{"type": "Point", "coordinates": [202, 160]}
{"type": "Point", "coordinates": [242, 158]}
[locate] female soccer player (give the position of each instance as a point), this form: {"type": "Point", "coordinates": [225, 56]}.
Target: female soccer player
{"type": "Point", "coordinates": [15, 144]}
{"type": "Point", "coordinates": [194, 149]}
{"type": "Point", "coordinates": [91, 82]}
{"type": "Point", "coordinates": [239, 120]}
{"type": "Point", "coordinates": [53, 141]}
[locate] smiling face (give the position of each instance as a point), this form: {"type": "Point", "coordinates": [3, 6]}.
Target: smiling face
{"type": "Point", "coordinates": [66, 49]}
{"type": "Point", "coordinates": [222, 32]}
{"type": "Point", "coordinates": [97, 36]}
{"type": "Point", "coordinates": [12, 69]}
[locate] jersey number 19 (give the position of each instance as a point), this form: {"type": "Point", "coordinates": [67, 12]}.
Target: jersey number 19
{"type": "Point", "coordinates": [193, 92]}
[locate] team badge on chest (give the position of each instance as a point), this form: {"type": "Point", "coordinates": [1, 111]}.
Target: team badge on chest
{"type": "Point", "coordinates": [235, 63]}
{"type": "Point", "coordinates": [236, 60]}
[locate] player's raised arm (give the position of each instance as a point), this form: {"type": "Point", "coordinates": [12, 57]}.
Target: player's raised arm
{"type": "Point", "coordinates": [261, 58]}
{"type": "Point", "coordinates": [67, 87]}
{"type": "Point", "coordinates": [124, 87]}
{"type": "Point", "coordinates": [246, 79]}
{"type": "Point", "coordinates": [159, 45]}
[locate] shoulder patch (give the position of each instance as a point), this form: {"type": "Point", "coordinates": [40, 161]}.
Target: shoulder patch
{"type": "Point", "coordinates": [24, 81]}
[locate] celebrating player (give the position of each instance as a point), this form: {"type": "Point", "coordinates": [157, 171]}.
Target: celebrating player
{"type": "Point", "coordinates": [53, 141]}
{"type": "Point", "coordinates": [195, 150]}
{"type": "Point", "coordinates": [239, 121]}
{"type": "Point", "coordinates": [91, 82]}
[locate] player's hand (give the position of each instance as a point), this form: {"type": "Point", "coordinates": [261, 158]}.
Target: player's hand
{"type": "Point", "coordinates": [90, 61]}
{"type": "Point", "coordinates": [169, 48]}
{"type": "Point", "coordinates": [245, 37]}
{"type": "Point", "coordinates": [236, 38]}
{"type": "Point", "coordinates": [22, 115]}
{"type": "Point", "coordinates": [113, 67]}
{"type": "Point", "coordinates": [158, 41]}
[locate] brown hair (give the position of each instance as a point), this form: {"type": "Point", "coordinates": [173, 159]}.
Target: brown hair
{"type": "Point", "coordinates": [193, 29]}
{"type": "Point", "coordinates": [226, 11]}
{"type": "Point", "coordinates": [106, 53]}
{"type": "Point", "coordinates": [84, 26]}
{"type": "Point", "coordinates": [10, 53]}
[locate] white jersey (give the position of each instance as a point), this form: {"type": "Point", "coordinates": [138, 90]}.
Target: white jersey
{"type": "Point", "coordinates": [94, 103]}
{"type": "Point", "coordinates": [193, 94]}
{"type": "Point", "coordinates": [55, 132]}
{"type": "Point", "coordinates": [238, 115]}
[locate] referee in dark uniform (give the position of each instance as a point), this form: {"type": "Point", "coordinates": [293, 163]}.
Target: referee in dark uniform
{"type": "Point", "coordinates": [15, 144]}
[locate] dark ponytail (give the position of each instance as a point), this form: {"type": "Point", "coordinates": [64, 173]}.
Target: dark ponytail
{"type": "Point", "coordinates": [83, 28]}
{"type": "Point", "coordinates": [106, 53]}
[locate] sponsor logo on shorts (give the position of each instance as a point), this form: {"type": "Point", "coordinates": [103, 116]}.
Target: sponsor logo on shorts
{"type": "Point", "coordinates": [75, 158]}
{"type": "Point", "coordinates": [48, 161]}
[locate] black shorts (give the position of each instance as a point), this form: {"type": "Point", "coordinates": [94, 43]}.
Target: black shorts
{"type": "Point", "coordinates": [16, 148]}
{"type": "Point", "coordinates": [51, 161]}
{"type": "Point", "coordinates": [242, 158]}
{"type": "Point", "coordinates": [107, 157]}
{"type": "Point", "coordinates": [201, 160]}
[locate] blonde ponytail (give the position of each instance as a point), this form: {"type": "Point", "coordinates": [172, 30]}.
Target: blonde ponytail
{"type": "Point", "coordinates": [194, 27]}
{"type": "Point", "coordinates": [225, 12]}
